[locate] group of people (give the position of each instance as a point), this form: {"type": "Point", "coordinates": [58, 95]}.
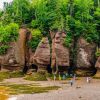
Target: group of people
{"type": "Point", "coordinates": [73, 79]}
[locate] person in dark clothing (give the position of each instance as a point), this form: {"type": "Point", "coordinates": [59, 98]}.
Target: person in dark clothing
{"type": "Point", "coordinates": [71, 82]}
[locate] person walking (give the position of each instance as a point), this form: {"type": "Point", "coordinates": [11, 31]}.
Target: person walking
{"type": "Point", "coordinates": [59, 76]}
{"type": "Point", "coordinates": [88, 79]}
{"type": "Point", "coordinates": [74, 78]}
{"type": "Point", "coordinates": [71, 82]}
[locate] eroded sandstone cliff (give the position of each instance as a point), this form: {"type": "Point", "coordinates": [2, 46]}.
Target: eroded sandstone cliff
{"type": "Point", "coordinates": [54, 54]}
{"type": "Point", "coordinates": [41, 57]}
{"type": "Point", "coordinates": [60, 53]}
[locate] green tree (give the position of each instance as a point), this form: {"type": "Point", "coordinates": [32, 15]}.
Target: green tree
{"type": "Point", "coordinates": [36, 38]}
{"type": "Point", "coordinates": [8, 33]}
{"type": "Point", "coordinates": [18, 11]}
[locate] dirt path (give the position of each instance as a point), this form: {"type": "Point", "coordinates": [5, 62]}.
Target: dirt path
{"type": "Point", "coordinates": [80, 91]}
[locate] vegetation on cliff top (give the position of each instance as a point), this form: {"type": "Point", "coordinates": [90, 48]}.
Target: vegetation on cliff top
{"type": "Point", "coordinates": [75, 17]}
{"type": "Point", "coordinates": [36, 38]}
{"type": "Point", "coordinates": [8, 33]}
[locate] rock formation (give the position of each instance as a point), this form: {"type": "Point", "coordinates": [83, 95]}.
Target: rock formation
{"type": "Point", "coordinates": [19, 55]}
{"type": "Point", "coordinates": [1, 59]}
{"type": "Point", "coordinates": [9, 60]}
{"type": "Point", "coordinates": [41, 56]}
{"type": "Point", "coordinates": [85, 57]}
{"type": "Point", "coordinates": [85, 54]}
{"type": "Point", "coordinates": [15, 57]}
{"type": "Point", "coordinates": [21, 46]}
{"type": "Point", "coordinates": [98, 63]}
{"type": "Point", "coordinates": [60, 54]}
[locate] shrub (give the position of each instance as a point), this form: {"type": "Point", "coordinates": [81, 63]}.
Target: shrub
{"type": "Point", "coordinates": [67, 41]}
{"type": "Point", "coordinates": [36, 38]}
{"type": "Point", "coordinates": [34, 23]}
{"type": "Point", "coordinates": [3, 49]}
{"type": "Point", "coordinates": [90, 33]}
{"type": "Point", "coordinates": [97, 52]}
{"type": "Point", "coordinates": [39, 76]}
{"type": "Point", "coordinates": [8, 34]}
{"type": "Point", "coordinates": [12, 31]}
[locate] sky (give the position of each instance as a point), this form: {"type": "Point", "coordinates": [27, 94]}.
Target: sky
{"type": "Point", "coordinates": [1, 3]}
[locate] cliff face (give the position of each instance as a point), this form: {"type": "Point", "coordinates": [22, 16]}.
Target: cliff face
{"type": "Point", "coordinates": [21, 46]}
{"type": "Point", "coordinates": [85, 54]}
{"type": "Point", "coordinates": [8, 61]}
{"type": "Point", "coordinates": [98, 63]}
{"type": "Point", "coordinates": [57, 56]}
{"type": "Point", "coordinates": [14, 59]}
{"type": "Point", "coordinates": [41, 57]}
{"type": "Point", "coordinates": [85, 58]}
{"type": "Point", "coordinates": [60, 54]}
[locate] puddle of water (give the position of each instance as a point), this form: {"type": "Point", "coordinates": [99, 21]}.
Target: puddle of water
{"type": "Point", "coordinates": [13, 98]}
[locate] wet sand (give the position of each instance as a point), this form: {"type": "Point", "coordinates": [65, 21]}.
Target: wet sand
{"type": "Point", "coordinates": [79, 91]}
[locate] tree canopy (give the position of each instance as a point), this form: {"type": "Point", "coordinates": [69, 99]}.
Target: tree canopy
{"type": "Point", "coordinates": [75, 17]}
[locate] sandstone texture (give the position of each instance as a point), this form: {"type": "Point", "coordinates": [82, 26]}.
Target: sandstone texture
{"type": "Point", "coordinates": [54, 55]}
{"type": "Point", "coordinates": [60, 54]}
{"type": "Point", "coordinates": [85, 54]}
{"type": "Point", "coordinates": [42, 54]}
{"type": "Point", "coordinates": [14, 59]}
{"type": "Point", "coordinates": [98, 63]}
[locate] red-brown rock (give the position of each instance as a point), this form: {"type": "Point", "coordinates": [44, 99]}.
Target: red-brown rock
{"type": "Point", "coordinates": [85, 57]}
{"type": "Point", "coordinates": [60, 53]}
{"type": "Point", "coordinates": [42, 55]}
{"type": "Point", "coordinates": [15, 57]}
{"type": "Point", "coordinates": [97, 65]}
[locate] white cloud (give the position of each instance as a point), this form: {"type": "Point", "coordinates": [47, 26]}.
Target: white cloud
{"type": "Point", "coordinates": [2, 1]}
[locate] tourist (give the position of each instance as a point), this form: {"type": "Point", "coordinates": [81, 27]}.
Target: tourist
{"type": "Point", "coordinates": [54, 76]}
{"type": "Point", "coordinates": [71, 82]}
{"type": "Point", "coordinates": [59, 76]}
{"type": "Point", "coordinates": [88, 79]}
{"type": "Point", "coordinates": [74, 78]}
{"type": "Point", "coordinates": [64, 76]}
